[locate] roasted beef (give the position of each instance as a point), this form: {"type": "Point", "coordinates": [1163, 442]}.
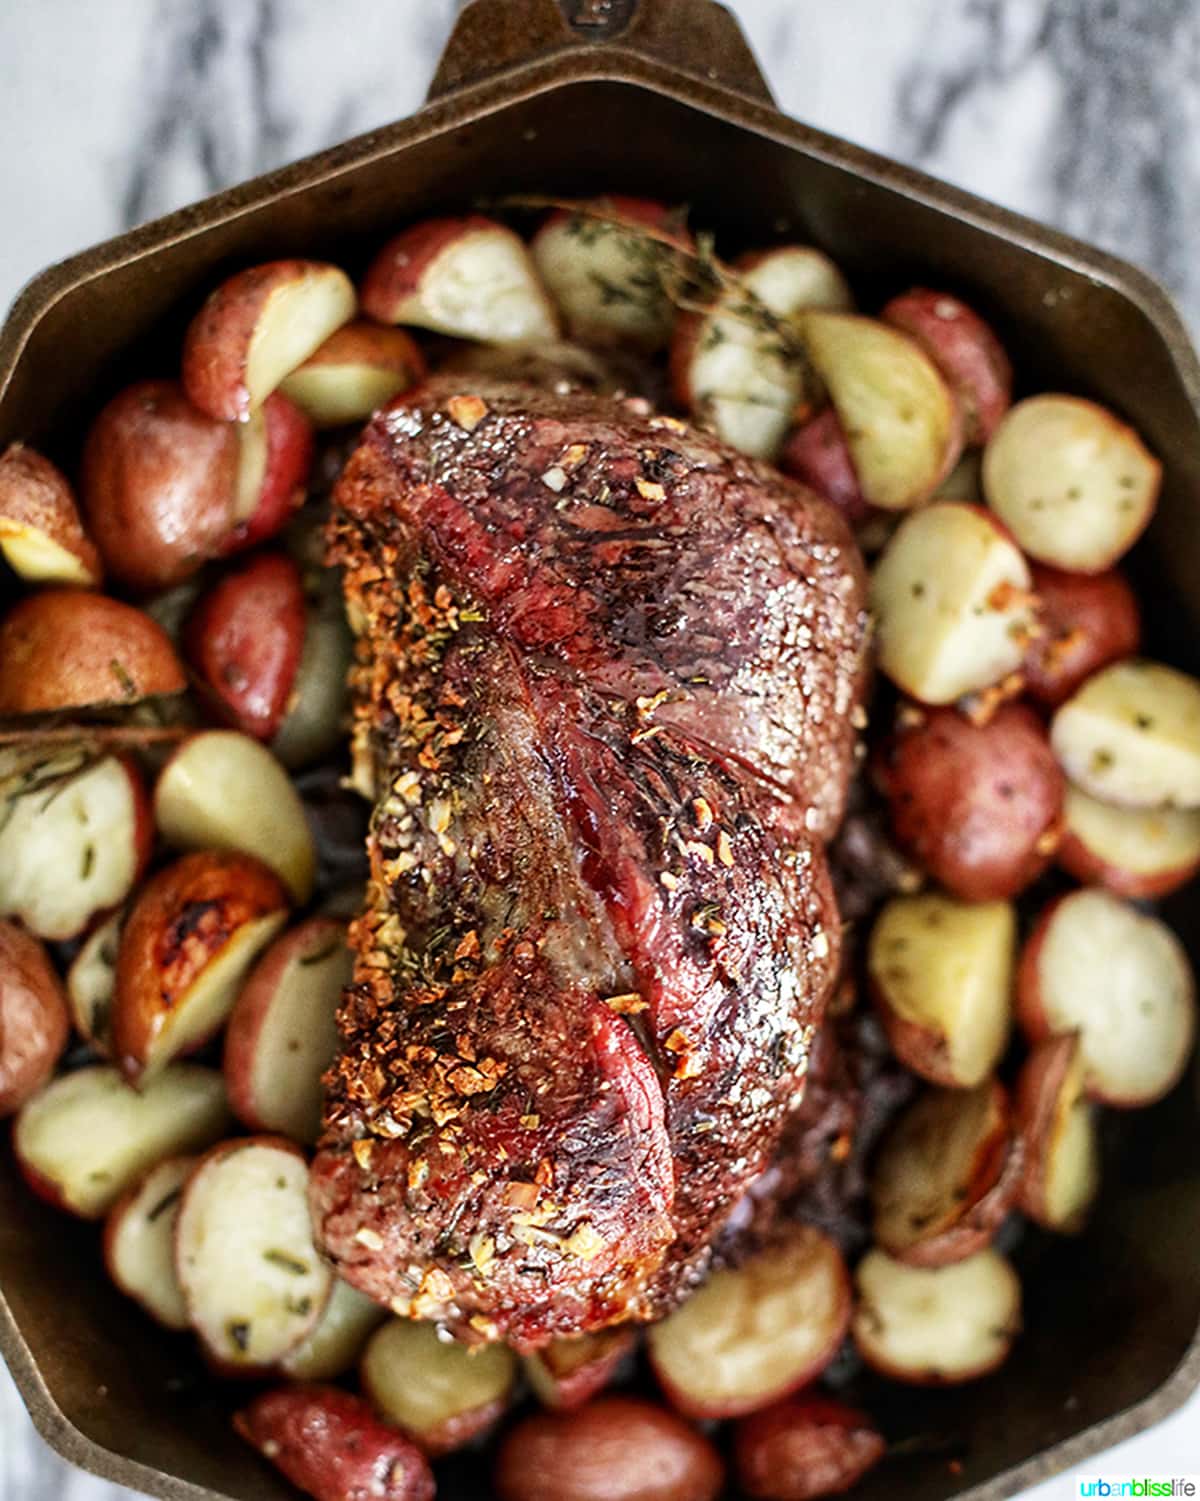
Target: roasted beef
{"type": "Point", "coordinates": [604, 699]}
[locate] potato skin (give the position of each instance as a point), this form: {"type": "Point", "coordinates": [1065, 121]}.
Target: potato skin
{"type": "Point", "coordinates": [158, 485]}
{"type": "Point", "coordinates": [290, 448]}
{"type": "Point", "coordinates": [34, 1023]}
{"type": "Point", "coordinates": [616, 1449]}
{"type": "Point", "coordinates": [978, 806]}
{"type": "Point", "coordinates": [804, 1448]}
{"type": "Point", "coordinates": [331, 1445]}
{"type": "Point", "coordinates": [396, 271]}
{"type": "Point", "coordinates": [564, 1385]}
{"type": "Point", "coordinates": [35, 493]}
{"type": "Point", "coordinates": [70, 648]}
{"type": "Point", "coordinates": [817, 455]}
{"type": "Point", "coordinates": [1087, 620]}
{"type": "Point", "coordinates": [1039, 1087]}
{"type": "Point", "coordinates": [965, 350]}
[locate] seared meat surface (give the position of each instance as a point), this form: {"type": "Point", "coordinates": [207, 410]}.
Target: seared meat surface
{"type": "Point", "coordinates": [606, 677]}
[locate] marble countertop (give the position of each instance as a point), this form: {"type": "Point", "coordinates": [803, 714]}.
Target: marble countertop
{"type": "Point", "coordinates": [1083, 113]}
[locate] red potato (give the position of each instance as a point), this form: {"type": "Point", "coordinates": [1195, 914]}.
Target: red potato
{"type": "Point", "coordinates": [337, 1339]}
{"type": "Point", "coordinates": [66, 649]}
{"type": "Point", "coordinates": [358, 369]}
{"type": "Point", "coordinates": [158, 485]}
{"type": "Point", "coordinates": [1058, 1127]}
{"type": "Point", "coordinates": [965, 350]}
{"type": "Point", "coordinates": [979, 807]}
{"type": "Point", "coordinates": [566, 1373]}
{"type": "Point", "coordinates": [245, 639]}
{"type": "Point", "coordinates": [607, 280]}
{"type": "Point", "coordinates": [274, 461]}
{"type": "Point", "coordinates": [331, 1445]}
{"type": "Point", "coordinates": [1131, 736]}
{"type": "Point", "coordinates": [252, 1279]}
{"type": "Point", "coordinates": [41, 534]}
{"type": "Point", "coordinates": [189, 939]}
{"type": "Point", "coordinates": [33, 1017]}
{"type": "Point", "coordinates": [951, 596]}
{"type": "Point", "coordinates": [315, 715]}
{"type": "Point", "coordinates": [75, 839]}
{"type": "Point", "coordinates": [946, 1175]}
{"type": "Point", "coordinates": [282, 1033]}
{"type": "Point", "coordinates": [438, 1392]}
{"type": "Point", "coordinates": [1136, 852]}
{"type": "Point", "coordinates": [1085, 621]}
{"type": "Point", "coordinates": [256, 328]}
{"type": "Point", "coordinates": [472, 278]}
{"type": "Point", "coordinates": [804, 1448]}
{"type": "Point", "coordinates": [1073, 484]}
{"type": "Point", "coordinates": [755, 1333]}
{"type": "Point", "coordinates": [139, 1242]}
{"type": "Point", "coordinates": [936, 1326]}
{"type": "Point", "coordinates": [88, 1136]}
{"type": "Point", "coordinates": [615, 1449]}
{"type": "Point", "coordinates": [91, 980]}
{"type": "Point", "coordinates": [1121, 979]}
{"type": "Point", "coordinates": [941, 975]}
{"type": "Point", "coordinates": [901, 421]}
{"type": "Point", "coordinates": [817, 455]}
{"type": "Point", "coordinates": [790, 279]}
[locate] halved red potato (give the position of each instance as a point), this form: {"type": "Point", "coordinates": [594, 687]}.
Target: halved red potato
{"type": "Point", "coordinates": [951, 595]}
{"type": "Point", "coordinates": [965, 350]}
{"type": "Point", "coordinates": [946, 1175]}
{"type": "Point", "coordinates": [615, 1449]}
{"type": "Point", "coordinates": [755, 1333]}
{"type": "Point", "coordinates": [33, 1017]}
{"type": "Point", "coordinates": [900, 418]}
{"type": "Point", "coordinates": [1121, 979]}
{"type": "Point", "coordinates": [1136, 852]}
{"type": "Point", "coordinates": [1085, 621]}
{"type": "Point", "coordinates": [256, 328]}
{"type": "Point", "coordinates": [253, 1281]}
{"type": "Point", "coordinates": [158, 485]}
{"type": "Point", "coordinates": [469, 277]}
{"type": "Point", "coordinates": [337, 1339]}
{"type": "Point", "coordinates": [69, 649]}
{"type": "Point", "coordinates": [607, 279]}
{"type": "Point", "coordinates": [936, 1326]}
{"type": "Point", "coordinates": [979, 806]}
{"type": "Point", "coordinates": [274, 460]}
{"type": "Point", "coordinates": [330, 1445]}
{"type": "Point", "coordinates": [282, 1032]}
{"type": "Point", "coordinates": [245, 639]}
{"type": "Point", "coordinates": [1074, 484]}
{"type": "Point", "coordinates": [941, 974]}
{"type": "Point", "coordinates": [438, 1392]}
{"type": "Point", "coordinates": [315, 714]}
{"type": "Point", "coordinates": [41, 534]}
{"type": "Point", "coordinates": [139, 1241]}
{"type": "Point", "coordinates": [1058, 1127]}
{"type": "Point", "coordinates": [75, 838]}
{"type": "Point", "coordinates": [224, 791]}
{"type": "Point", "coordinates": [89, 1136]}
{"type": "Point", "coordinates": [1131, 736]}
{"type": "Point", "coordinates": [790, 279]}
{"type": "Point", "coordinates": [566, 1373]}
{"type": "Point", "coordinates": [357, 370]}
{"type": "Point", "coordinates": [190, 937]}
{"type": "Point", "coordinates": [816, 453]}
{"type": "Point", "coordinates": [804, 1448]}
{"type": "Point", "coordinates": [91, 981]}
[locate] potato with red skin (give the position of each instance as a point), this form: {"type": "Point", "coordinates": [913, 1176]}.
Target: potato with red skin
{"type": "Point", "coordinates": [615, 1449]}
{"type": "Point", "coordinates": [332, 1446]}
{"type": "Point", "coordinates": [1085, 622]}
{"type": "Point", "coordinates": [158, 485]}
{"type": "Point", "coordinates": [568, 1372]}
{"type": "Point", "coordinates": [978, 806]}
{"type": "Point", "coordinates": [34, 1025]}
{"type": "Point", "coordinates": [964, 348]}
{"type": "Point", "coordinates": [817, 454]}
{"type": "Point", "coordinates": [245, 639]}
{"type": "Point", "coordinates": [1058, 1128]}
{"type": "Point", "coordinates": [71, 649]}
{"type": "Point", "coordinates": [355, 372]}
{"type": "Point", "coordinates": [275, 459]}
{"type": "Point", "coordinates": [41, 533]}
{"type": "Point", "coordinates": [1135, 852]}
{"type": "Point", "coordinates": [804, 1448]}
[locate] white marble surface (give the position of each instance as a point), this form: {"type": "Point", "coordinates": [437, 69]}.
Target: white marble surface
{"type": "Point", "coordinates": [1080, 112]}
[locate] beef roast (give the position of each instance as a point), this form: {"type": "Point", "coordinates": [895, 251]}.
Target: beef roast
{"type": "Point", "coordinates": [607, 671]}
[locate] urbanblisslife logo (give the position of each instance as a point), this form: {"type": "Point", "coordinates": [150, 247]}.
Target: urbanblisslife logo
{"type": "Point", "coordinates": [1145, 1486]}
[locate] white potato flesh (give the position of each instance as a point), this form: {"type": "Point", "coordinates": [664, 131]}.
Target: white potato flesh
{"type": "Point", "coordinates": [423, 1381]}
{"type": "Point", "coordinates": [1135, 843]}
{"type": "Point", "coordinates": [953, 605]}
{"type": "Point", "coordinates": [252, 464]}
{"type": "Point", "coordinates": [1072, 1169]}
{"type": "Point", "coordinates": [1062, 1150]}
{"type": "Point", "coordinates": [482, 285]}
{"type": "Point", "coordinates": [1074, 485]}
{"type": "Point", "coordinates": [792, 278]}
{"type": "Point", "coordinates": [38, 558]}
{"type": "Point", "coordinates": [334, 395]}
{"type": "Point", "coordinates": [140, 1242]}
{"type": "Point", "coordinates": [338, 1338]}
{"type": "Point", "coordinates": [90, 1135]}
{"type": "Point", "coordinates": [606, 280]}
{"type": "Point", "coordinates": [296, 319]}
{"type": "Point", "coordinates": [936, 1325]}
{"type": "Point", "coordinates": [1131, 735]}
{"type": "Point", "coordinates": [91, 981]}
{"type": "Point", "coordinates": [743, 380]}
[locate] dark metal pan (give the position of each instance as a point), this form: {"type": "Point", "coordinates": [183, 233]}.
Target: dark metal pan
{"type": "Point", "coordinates": [659, 97]}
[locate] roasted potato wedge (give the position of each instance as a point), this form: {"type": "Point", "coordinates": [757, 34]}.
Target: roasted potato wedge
{"type": "Point", "coordinates": [33, 1017]}
{"type": "Point", "coordinates": [1061, 1159]}
{"type": "Point", "coordinates": [41, 533]}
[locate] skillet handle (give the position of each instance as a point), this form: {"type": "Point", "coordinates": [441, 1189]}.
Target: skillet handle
{"type": "Point", "coordinates": [699, 37]}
